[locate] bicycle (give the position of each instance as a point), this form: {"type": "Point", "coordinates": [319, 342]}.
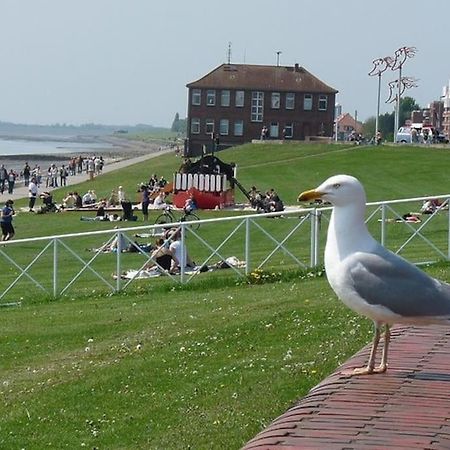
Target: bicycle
{"type": "Point", "coordinates": [169, 216]}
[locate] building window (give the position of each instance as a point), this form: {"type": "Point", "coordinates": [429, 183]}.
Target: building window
{"type": "Point", "coordinates": [209, 126]}
{"type": "Point", "coordinates": [196, 97]}
{"type": "Point", "coordinates": [257, 106]}
{"type": "Point", "coordinates": [239, 128]}
{"type": "Point", "coordinates": [239, 99]}
{"type": "Point", "coordinates": [274, 130]}
{"type": "Point", "coordinates": [195, 126]}
{"type": "Point", "coordinates": [290, 100]}
{"type": "Point", "coordinates": [307, 102]}
{"type": "Point", "coordinates": [224, 126]}
{"type": "Point", "coordinates": [275, 100]}
{"type": "Point", "coordinates": [211, 98]}
{"type": "Point", "coordinates": [288, 131]}
{"type": "Point", "coordinates": [323, 102]}
{"type": "Point", "coordinates": [225, 98]}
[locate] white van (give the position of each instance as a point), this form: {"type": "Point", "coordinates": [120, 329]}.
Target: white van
{"type": "Point", "coordinates": [403, 135]}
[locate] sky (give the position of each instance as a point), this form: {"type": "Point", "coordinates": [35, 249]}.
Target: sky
{"type": "Point", "coordinates": [127, 62]}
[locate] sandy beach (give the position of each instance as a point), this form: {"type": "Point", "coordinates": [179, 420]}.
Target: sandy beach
{"type": "Point", "coordinates": [121, 154]}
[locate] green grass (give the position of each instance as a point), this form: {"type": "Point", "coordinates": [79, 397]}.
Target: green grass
{"type": "Point", "coordinates": [204, 366]}
{"type": "Point", "coordinates": [213, 366]}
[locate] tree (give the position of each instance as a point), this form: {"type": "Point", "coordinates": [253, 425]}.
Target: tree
{"type": "Point", "coordinates": [407, 106]}
{"type": "Point", "coordinates": [386, 121]}
{"type": "Point", "coordinates": [178, 125]}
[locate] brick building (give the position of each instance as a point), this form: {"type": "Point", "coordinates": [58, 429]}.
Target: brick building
{"type": "Point", "coordinates": [231, 104]}
{"type": "Point", "coordinates": [346, 125]}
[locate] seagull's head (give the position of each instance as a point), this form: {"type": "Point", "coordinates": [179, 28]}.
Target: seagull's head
{"type": "Point", "coordinates": [339, 190]}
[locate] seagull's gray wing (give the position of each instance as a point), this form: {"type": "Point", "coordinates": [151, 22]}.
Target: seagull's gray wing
{"type": "Point", "coordinates": [383, 278]}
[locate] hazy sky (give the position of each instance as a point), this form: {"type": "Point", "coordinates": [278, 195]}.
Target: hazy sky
{"type": "Point", "coordinates": [128, 61]}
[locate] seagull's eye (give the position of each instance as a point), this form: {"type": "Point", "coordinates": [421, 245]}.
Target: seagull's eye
{"type": "Point", "coordinates": [336, 186]}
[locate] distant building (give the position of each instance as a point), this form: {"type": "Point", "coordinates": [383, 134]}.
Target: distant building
{"type": "Point", "coordinates": [231, 105]}
{"type": "Point", "coordinates": [347, 125]}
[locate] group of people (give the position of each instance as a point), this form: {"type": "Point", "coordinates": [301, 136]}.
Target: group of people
{"type": "Point", "coordinates": [55, 176]}
{"type": "Point", "coordinates": [7, 179]}
{"type": "Point", "coordinates": [270, 201]}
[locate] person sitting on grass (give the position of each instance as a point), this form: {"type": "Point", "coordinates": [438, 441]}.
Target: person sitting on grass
{"type": "Point", "coordinates": [69, 200]}
{"type": "Point", "coordinates": [160, 201]}
{"type": "Point", "coordinates": [177, 251]}
{"type": "Point", "coordinates": [161, 257]}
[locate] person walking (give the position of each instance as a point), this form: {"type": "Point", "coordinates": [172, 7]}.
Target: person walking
{"type": "Point", "coordinates": [3, 178]}
{"type": "Point", "coordinates": [11, 181]}
{"type": "Point", "coordinates": [32, 194]}
{"type": "Point", "coordinates": [26, 174]}
{"type": "Point", "coordinates": [145, 201]}
{"type": "Point", "coordinates": [6, 218]}
{"type": "Point", "coordinates": [63, 173]}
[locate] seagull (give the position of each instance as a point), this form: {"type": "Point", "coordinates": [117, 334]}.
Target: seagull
{"type": "Point", "coordinates": [370, 279]}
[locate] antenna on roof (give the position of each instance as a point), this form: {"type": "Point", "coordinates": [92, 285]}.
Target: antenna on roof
{"type": "Point", "coordinates": [278, 57]}
{"type": "Point", "coordinates": [229, 53]}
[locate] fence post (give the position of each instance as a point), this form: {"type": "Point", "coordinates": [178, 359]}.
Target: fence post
{"type": "Point", "coordinates": [318, 217]}
{"type": "Point", "coordinates": [118, 261]}
{"type": "Point", "coordinates": [383, 224]}
{"type": "Point", "coordinates": [312, 219]}
{"type": "Point", "coordinates": [448, 231]}
{"type": "Point", "coordinates": [55, 268]}
{"type": "Point", "coordinates": [183, 252]}
{"type": "Point", "coordinates": [247, 245]}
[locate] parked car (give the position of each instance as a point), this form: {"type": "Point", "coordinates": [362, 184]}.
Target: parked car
{"type": "Point", "coordinates": [403, 135]}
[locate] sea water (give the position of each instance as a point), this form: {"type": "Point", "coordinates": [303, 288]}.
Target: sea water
{"type": "Point", "coordinates": [15, 152]}
{"type": "Point", "coordinates": [14, 147]}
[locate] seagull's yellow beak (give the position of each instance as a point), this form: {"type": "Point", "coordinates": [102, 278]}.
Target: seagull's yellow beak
{"type": "Point", "coordinates": [309, 195]}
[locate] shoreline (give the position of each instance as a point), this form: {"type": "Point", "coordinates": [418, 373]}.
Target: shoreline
{"type": "Point", "coordinates": [118, 150]}
{"type": "Point", "coordinates": [21, 191]}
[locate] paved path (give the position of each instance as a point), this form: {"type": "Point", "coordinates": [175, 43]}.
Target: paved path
{"type": "Point", "coordinates": [408, 407]}
{"type": "Point", "coordinates": [22, 191]}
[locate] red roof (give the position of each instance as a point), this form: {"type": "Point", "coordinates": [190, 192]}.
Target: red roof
{"type": "Point", "coordinates": [246, 76]}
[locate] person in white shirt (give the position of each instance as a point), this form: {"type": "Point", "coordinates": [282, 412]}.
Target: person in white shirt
{"type": "Point", "coordinates": [32, 193]}
{"type": "Point", "coordinates": [160, 201]}
{"type": "Point", "coordinates": [179, 253]}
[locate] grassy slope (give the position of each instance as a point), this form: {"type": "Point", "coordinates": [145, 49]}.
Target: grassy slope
{"type": "Point", "coordinates": [215, 364]}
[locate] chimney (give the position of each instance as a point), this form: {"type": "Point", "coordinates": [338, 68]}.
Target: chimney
{"type": "Point", "coordinates": [296, 67]}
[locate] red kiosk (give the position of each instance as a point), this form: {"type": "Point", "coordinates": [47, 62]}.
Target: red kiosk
{"type": "Point", "coordinates": [209, 180]}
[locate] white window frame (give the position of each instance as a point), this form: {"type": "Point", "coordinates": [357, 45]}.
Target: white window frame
{"type": "Point", "coordinates": [275, 100]}
{"type": "Point", "coordinates": [209, 126]}
{"type": "Point", "coordinates": [290, 100]}
{"type": "Point", "coordinates": [323, 102]}
{"type": "Point", "coordinates": [225, 97]}
{"type": "Point", "coordinates": [274, 130]}
{"type": "Point", "coordinates": [195, 125]}
{"type": "Point", "coordinates": [224, 127]}
{"type": "Point", "coordinates": [308, 102]}
{"type": "Point", "coordinates": [211, 97]}
{"type": "Point", "coordinates": [238, 128]}
{"type": "Point", "coordinates": [257, 110]}
{"type": "Point", "coordinates": [196, 97]}
{"type": "Point", "coordinates": [289, 130]}
{"type": "Point", "coordinates": [239, 99]}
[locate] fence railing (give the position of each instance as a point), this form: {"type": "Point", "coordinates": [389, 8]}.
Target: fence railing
{"type": "Point", "coordinates": [95, 261]}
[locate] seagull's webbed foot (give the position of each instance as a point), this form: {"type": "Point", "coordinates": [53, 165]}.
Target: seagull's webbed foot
{"type": "Point", "coordinates": [370, 368]}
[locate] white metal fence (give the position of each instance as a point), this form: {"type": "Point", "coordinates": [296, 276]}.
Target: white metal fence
{"type": "Point", "coordinates": [61, 265]}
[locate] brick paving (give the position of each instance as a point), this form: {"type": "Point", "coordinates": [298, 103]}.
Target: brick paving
{"type": "Point", "coordinates": [408, 407]}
